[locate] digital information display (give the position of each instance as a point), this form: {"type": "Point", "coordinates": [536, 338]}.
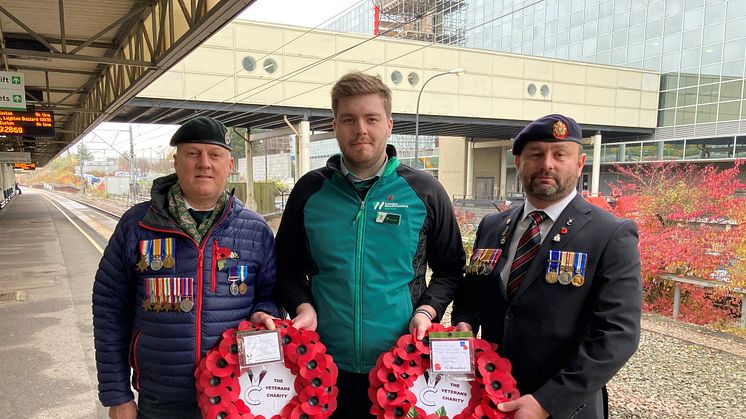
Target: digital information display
{"type": "Point", "coordinates": [24, 166]}
{"type": "Point", "coordinates": [29, 124]}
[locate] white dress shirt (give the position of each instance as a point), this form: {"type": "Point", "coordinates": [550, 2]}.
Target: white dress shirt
{"type": "Point", "coordinates": [553, 212]}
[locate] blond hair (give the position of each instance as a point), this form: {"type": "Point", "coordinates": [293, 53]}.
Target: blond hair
{"type": "Point", "coordinates": [357, 83]}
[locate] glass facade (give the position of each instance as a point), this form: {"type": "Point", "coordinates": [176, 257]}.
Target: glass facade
{"type": "Point", "coordinates": [698, 46]}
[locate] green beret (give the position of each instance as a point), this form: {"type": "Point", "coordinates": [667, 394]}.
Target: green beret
{"type": "Point", "coordinates": [203, 130]}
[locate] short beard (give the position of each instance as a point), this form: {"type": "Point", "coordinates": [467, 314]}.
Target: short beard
{"type": "Point", "coordinates": [547, 193]}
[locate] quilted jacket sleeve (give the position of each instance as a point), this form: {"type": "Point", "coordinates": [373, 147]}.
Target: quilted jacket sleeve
{"type": "Point", "coordinates": [113, 304]}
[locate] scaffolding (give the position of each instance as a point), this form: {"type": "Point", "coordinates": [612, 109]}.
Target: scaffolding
{"type": "Point", "coordinates": [438, 21]}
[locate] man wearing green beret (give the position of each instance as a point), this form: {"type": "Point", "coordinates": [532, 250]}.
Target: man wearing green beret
{"type": "Point", "coordinates": [178, 271]}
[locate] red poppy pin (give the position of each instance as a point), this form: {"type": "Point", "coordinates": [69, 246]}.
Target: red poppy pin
{"type": "Point", "coordinates": [559, 130]}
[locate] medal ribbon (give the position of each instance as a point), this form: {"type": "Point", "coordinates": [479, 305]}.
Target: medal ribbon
{"type": "Point", "coordinates": [554, 260]}
{"type": "Point", "coordinates": [157, 248]}
{"type": "Point", "coordinates": [580, 262]}
{"type": "Point", "coordinates": [150, 251]}
{"type": "Point", "coordinates": [144, 245]}
{"type": "Point", "coordinates": [169, 246]}
{"type": "Point", "coordinates": [566, 261]}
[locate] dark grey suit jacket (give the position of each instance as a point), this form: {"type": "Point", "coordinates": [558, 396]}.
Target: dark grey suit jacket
{"type": "Point", "coordinates": [564, 342]}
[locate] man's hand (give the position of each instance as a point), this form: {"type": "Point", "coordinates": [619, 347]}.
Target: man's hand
{"type": "Point", "coordinates": [263, 318]}
{"type": "Point", "coordinates": [305, 317]}
{"type": "Point", "coordinates": [526, 407]}
{"type": "Point", "coordinates": [421, 321]}
{"type": "Point", "coordinates": [463, 327]}
{"type": "Point", "coordinates": [124, 411]}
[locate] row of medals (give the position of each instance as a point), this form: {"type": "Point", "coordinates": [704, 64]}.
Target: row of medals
{"type": "Point", "coordinates": [156, 264]}
{"type": "Point", "coordinates": [235, 288]}
{"type": "Point", "coordinates": [565, 277]}
{"type": "Point", "coordinates": [185, 305]}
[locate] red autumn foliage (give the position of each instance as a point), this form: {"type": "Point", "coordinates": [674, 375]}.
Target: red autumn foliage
{"type": "Point", "coordinates": [692, 222]}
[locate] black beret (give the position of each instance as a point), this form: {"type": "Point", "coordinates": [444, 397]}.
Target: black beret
{"type": "Point", "coordinates": [550, 128]}
{"type": "Point", "coordinates": [203, 130]}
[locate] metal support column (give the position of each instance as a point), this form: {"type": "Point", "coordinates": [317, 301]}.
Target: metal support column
{"type": "Point", "coordinates": [503, 172]}
{"type": "Point", "coordinates": [250, 199]}
{"type": "Point", "coordinates": [304, 148]}
{"type": "Point", "coordinates": [469, 190]}
{"type": "Point", "coordinates": [596, 164]}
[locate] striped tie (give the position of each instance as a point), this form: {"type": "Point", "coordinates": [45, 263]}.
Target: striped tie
{"type": "Point", "coordinates": [528, 247]}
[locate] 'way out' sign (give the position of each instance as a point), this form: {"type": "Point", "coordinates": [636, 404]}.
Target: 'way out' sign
{"type": "Point", "coordinates": [12, 91]}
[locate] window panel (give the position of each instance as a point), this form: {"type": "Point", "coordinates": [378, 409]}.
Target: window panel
{"type": "Point", "coordinates": [637, 17]}
{"type": "Point", "coordinates": [672, 43]}
{"type": "Point", "coordinates": [733, 70]}
{"type": "Point", "coordinates": [605, 25]}
{"type": "Point", "coordinates": [650, 152]}
{"type": "Point", "coordinates": [634, 52]}
{"type": "Point", "coordinates": [740, 147]}
{"type": "Point", "coordinates": [606, 8]}
{"type": "Point", "coordinates": [685, 116]}
{"type": "Point", "coordinates": [713, 33]}
{"type": "Point", "coordinates": [654, 29]}
{"type": "Point", "coordinates": [687, 96]}
{"type": "Point", "coordinates": [619, 56]}
{"type": "Point", "coordinates": [589, 30]}
{"type": "Point", "coordinates": [656, 10]}
{"type": "Point", "coordinates": [673, 24]}
{"type": "Point", "coordinates": [604, 43]}
{"type": "Point", "coordinates": [636, 34]}
{"type": "Point", "coordinates": [693, 4]}
{"type": "Point", "coordinates": [731, 90]}
{"type": "Point", "coordinates": [669, 81]}
{"type": "Point", "coordinates": [692, 39]}
{"type": "Point", "coordinates": [674, 7]}
{"type": "Point", "coordinates": [736, 9]}
{"type": "Point", "coordinates": [653, 48]}
{"type": "Point", "coordinates": [670, 62]}
{"type": "Point", "coordinates": [621, 21]}
{"type": "Point", "coordinates": [706, 113]}
{"type": "Point", "coordinates": [666, 118]}
{"type": "Point", "coordinates": [734, 49]}
{"type": "Point", "coordinates": [709, 73]}
{"type": "Point", "coordinates": [652, 63]}
{"type": "Point", "coordinates": [708, 93]}
{"type": "Point", "coordinates": [619, 39]}
{"type": "Point", "coordinates": [714, 13]}
{"type": "Point", "coordinates": [673, 150]}
{"type": "Point", "coordinates": [729, 111]}
{"type": "Point", "coordinates": [711, 54]}
{"type": "Point", "coordinates": [690, 58]}
{"type": "Point", "coordinates": [589, 47]}
{"type": "Point", "coordinates": [693, 19]}
{"type": "Point", "coordinates": [688, 78]}
{"type": "Point", "coordinates": [734, 28]}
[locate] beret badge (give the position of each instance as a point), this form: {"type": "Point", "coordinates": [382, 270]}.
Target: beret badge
{"type": "Point", "coordinates": [227, 137]}
{"type": "Point", "coordinates": [559, 130]}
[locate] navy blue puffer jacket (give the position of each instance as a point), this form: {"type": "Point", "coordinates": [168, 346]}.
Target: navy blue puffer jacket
{"type": "Point", "coordinates": [159, 350]}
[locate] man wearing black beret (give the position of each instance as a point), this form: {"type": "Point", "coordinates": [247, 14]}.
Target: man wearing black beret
{"type": "Point", "coordinates": [563, 299]}
{"type": "Point", "coordinates": [177, 272]}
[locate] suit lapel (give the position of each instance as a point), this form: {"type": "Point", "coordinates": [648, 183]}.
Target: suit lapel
{"type": "Point", "coordinates": [579, 211]}
{"type": "Point", "coordinates": [510, 221]}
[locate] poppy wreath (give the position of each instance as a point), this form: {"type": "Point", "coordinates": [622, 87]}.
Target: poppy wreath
{"type": "Point", "coordinates": [397, 370]}
{"type": "Point", "coordinates": [217, 376]}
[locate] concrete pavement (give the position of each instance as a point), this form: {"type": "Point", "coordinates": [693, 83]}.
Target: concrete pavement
{"type": "Point", "coordinates": [46, 354]}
